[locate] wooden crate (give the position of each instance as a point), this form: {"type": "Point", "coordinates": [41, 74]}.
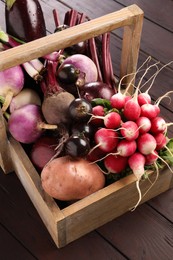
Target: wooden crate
{"type": "Point", "coordinates": [66, 225]}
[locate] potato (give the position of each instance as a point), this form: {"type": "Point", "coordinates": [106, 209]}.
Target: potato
{"type": "Point", "coordinates": [69, 179]}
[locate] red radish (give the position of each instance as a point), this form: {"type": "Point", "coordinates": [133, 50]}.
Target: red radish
{"type": "Point", "coordinates": [144, 124]}
{"type": "Point", "coordinates": [151, 158]}
{"type": "Point", "coordinates": [43, 150]}
{"type": "Point", "coordinates": [146, 143]}
{"type": "Point", "coordinates": [149, 110]}
{"type": "Point", "coordinates": [98, 111]}
{"type": "Point", "coordinates": [112, 120]}
{"type": "Point", "coordinates": [161, 141]}
{"type": "Point", "coordinates": [132, 110]}
{"type": "Point", "coordinates": [106, 139]}
{"type": "Point", "coordinates": [26, 124]}
{"type": "Point", "coordinates": [115, 163]}
{"type": "Point", "coordinates": [157, 109]}
{"type": "Point", "coordinates": [144, 98]}
{"type": "Point", "coordinates": [158, 125]}
{"type": "Point", "coordinates": [129, 130]}
{"type": "Point", "coordinates": [126, 148]}
{"type": "Point", "coordinates": [127, 98]}
{"type": "Point", "coordinates": [117, 100]}
{"type": "Point", "coordinates": [95, 155]}
{"type": "Point", "coordinates": [137, 162]}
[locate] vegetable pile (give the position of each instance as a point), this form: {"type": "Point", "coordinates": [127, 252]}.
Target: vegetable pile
{"type": "Point", "coordinates": [83, 131]}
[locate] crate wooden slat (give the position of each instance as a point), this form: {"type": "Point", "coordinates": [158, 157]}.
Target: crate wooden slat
{"type": "Point", "coordinates": [66, 225]}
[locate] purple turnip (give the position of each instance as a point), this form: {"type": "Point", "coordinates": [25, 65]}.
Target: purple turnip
{"type": "Point", "coordinates": [11, 83]}
{"type": "Point", "coordinates": [26, 124]}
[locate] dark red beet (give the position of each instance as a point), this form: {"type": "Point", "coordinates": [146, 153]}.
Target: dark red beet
{"type": "Point", "coordinates": [25, 20]}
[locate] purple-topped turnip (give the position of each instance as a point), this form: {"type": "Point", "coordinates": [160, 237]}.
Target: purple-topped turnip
{"type": "Point", "coordinates": [87, 68]}
{"type": "Point", "coordinates": [26, 124]}
{"type": "Point", "coordinates": [11, 83]}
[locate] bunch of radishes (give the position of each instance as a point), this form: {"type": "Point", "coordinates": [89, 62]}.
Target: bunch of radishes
{"type": "Point", "coordinates": [131, 135]}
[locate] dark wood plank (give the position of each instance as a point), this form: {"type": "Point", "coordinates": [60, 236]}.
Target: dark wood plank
{"type": "Point", "coordinates": [21, 220]}
{"type": "Point", "coordinates": [154, 12]}
{"type": "Point", "coordinates": [10, 248]}
{"type": "Point", "coordinates": [163, 204]}
{"type": "Point", "coordinates": [142, 234]}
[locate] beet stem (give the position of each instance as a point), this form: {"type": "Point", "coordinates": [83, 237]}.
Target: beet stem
{"type": "Point", "coordinates": [73, 17]}
{"type": "Point", "coordinates": [94, 57]}
{"type": "Point", "coordinates": [56, 18]}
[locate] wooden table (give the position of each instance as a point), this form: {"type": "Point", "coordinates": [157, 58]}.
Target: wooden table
{"type": "Point", "coordinates": [145, 233]}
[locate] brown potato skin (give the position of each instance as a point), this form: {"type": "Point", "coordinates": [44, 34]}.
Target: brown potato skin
{"type": "Point", "coordinates": [69, 179]}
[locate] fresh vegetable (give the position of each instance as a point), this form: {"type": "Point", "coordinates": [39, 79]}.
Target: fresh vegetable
{"type": "Point", "coordinates": [106, 139]}
{"type": "Point", "coordinates": [26, 124]}
{"type": "Point", "coordinates": [43, 150]}
{"type": "Point", "coordinates": [96, 89]}
{"type": "Point", "coordinates": [28, 14]}
{"type": "Point", "coordinates": [80, 109]}
{"type": "Point", "coordinates": [11, 83]}
{"type": "Point", "coordinates": [115, 163]}
{"type": "Point", "coordinates": [25, 96]}
{"type": "Point", "coordinates": [56, 100]}
{"type": "Point", "coordinates": [87, 68]}
{"type": "Point", "coordinates": [77, 145]}
{"type": "Point", "coordinates": [129, 130]}
{"type": "Point", "coordinates": [70, 179]}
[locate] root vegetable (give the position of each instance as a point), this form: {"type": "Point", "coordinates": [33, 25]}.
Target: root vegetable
{"type": "Point", "coordinates": [43, 150]}
{"type": "Point", "coordinates": [146, 143]}
{"type": "Point", "coordinates": [115, 163]}
{"type": "Point", "coordinates": [158, 125]}
{"type": "Point", "coordinates": [26, 96]}
{"type": "Point", "coordinates": [26, 124]}
{"type": "Point", "coordinates": [11, 83]}
{"type": "Point", "coordinates": [118, 100]}
{"type": "Point", "coordinates": [161, 141]}
{"type": "Point", "coordinates": [144, 124]}
{"type": "Point", "coordinates": [151, 158]}
{"type": "Point", "coordinates": [129, 130]}
{"type": "Point", "coordinates": [86, 66]}
{"type": "Point", "coordinates": [106, 139]}
{"type": "Point", "coordinates": [56, 100]}
{"type": "Point", "coordinates": [96, 89]}
{"type": "Point", "coordinates": [69, 179]}
{"type": "Point", "coordinates": [112, 120]}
